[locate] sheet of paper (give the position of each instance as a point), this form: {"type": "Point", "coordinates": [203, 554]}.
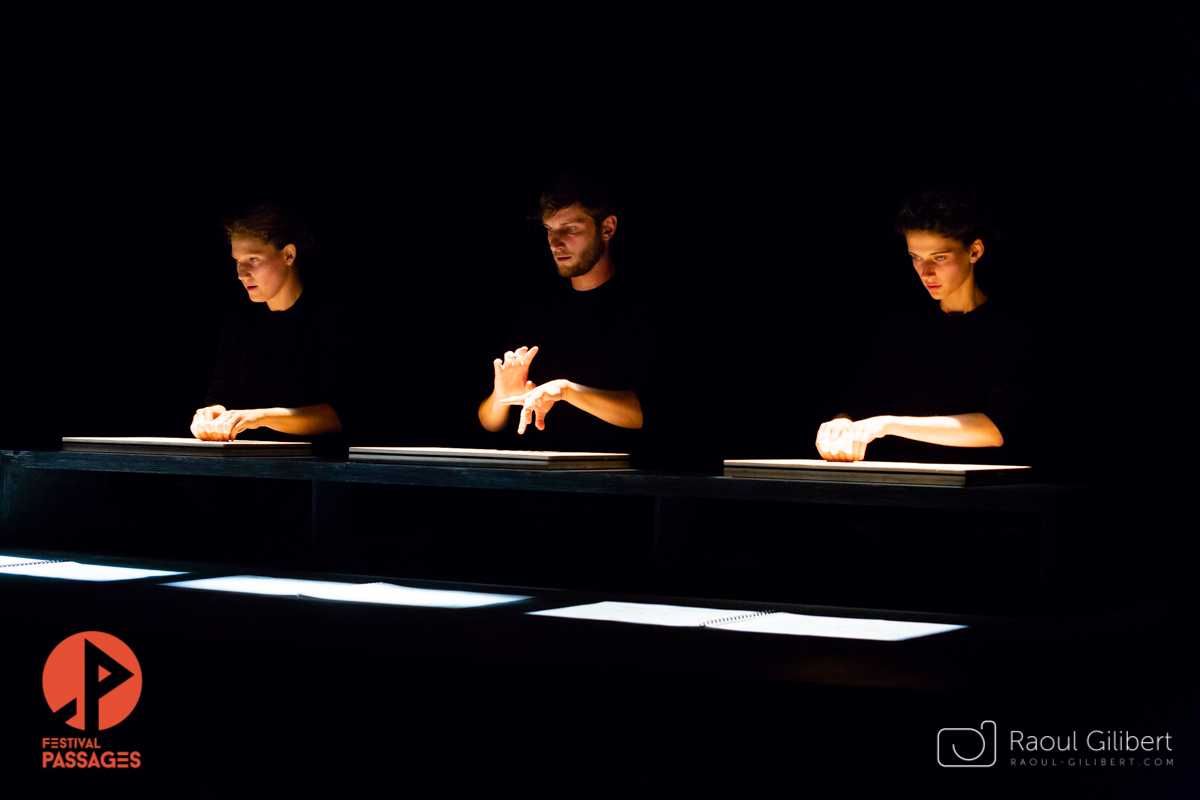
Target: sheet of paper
{"type": "Point", "coordinates": [390, 594]}
{"type": "Point", "coordinates": [12, 561]}
{"type": "Point", "coordinates": [255, 584]}
{"type": "Point", "coordinates": [643, 613]}
{"type": "Point", "coordinates": [880, 630]}
{"type": "Point", "coordinates": [385, 593]}
{"type": "Point", "coordinates": [73, 571]}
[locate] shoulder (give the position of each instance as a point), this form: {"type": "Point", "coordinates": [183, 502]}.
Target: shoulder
{"type": "Point", "coordinates": [1004, 320]}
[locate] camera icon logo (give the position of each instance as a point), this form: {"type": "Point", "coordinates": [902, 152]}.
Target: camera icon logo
{"type": "Point", "coordinates": [967, 747]}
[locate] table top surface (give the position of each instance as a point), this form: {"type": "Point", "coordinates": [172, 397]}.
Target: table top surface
{"type": "Point", "coordinates": [1027, 497]}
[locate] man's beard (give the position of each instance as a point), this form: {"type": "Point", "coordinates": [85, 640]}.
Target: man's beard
{"type": "Point", "coordinates": [590, 256]}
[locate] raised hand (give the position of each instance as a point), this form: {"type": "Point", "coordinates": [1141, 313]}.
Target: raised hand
{"type": "Point", "coordinates": [536, 402]}
{"type": "Point", "coordinates": [512, 372]}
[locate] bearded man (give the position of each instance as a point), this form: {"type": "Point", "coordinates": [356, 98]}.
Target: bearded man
{"type": "Point", "coordinates": [581, 343]}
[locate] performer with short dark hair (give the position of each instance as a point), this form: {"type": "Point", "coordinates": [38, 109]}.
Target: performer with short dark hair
{"type": "Point", "coordinates": [582, 340]}
{"type": "Point", "coordinates": [954, 376]}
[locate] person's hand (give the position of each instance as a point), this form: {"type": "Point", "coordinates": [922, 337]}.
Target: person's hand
{"type": "Point", "coordinates": [202, 418]}
{"type": "Point", "coordinates": [512, 372]}
{"type": "Point", "coordinates": [228, 425]}
{"type": "Point", "coordinates": [843, 440]}
{"type": "Point", "coordinates": [536, 402]}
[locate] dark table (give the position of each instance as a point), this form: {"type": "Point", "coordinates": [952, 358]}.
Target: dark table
{"type": "Point", "coordinates": [678, 496]}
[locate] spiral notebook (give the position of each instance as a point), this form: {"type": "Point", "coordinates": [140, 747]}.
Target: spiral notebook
{"type": "Point", "coordinates": [814, 469]}
{"type": "Point", "coordinates": [475, 457]}
{"type": "Point", "coordinates": [778, 622]}
{"type": "Point", "coordinates": [178, 446]}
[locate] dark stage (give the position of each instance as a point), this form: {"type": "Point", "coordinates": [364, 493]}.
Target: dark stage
{"type": "Point", "coordinates": [762, 156]}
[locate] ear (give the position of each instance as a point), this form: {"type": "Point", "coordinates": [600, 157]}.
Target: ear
{"type": "Point", "coordinates": [289, 253]}
{"type": "Point", "coordinates": [609, 227]}
{"type": "Point", "coordinates": [976, 250]}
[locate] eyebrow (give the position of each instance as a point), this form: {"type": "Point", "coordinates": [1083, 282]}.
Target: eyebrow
{"type": "Point", "coordinates": [934, 253]}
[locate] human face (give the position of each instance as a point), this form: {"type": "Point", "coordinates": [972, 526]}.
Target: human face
{"type": "Point", "coordinates": [575, 242]}
{"type": "Point", "coordinates": [266, 271]}
{"type": "Point", "coordinates": [946, 266]}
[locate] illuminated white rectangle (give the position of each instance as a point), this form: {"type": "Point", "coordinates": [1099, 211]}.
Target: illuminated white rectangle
{"type": "Point", "coordinates": [880, 630]}
{"type": "Point", "coordinates": [642, 613]}
{"type": "Point", "coordinates": [73, 571]}
{"type": "Point", "coordinates": [380, 593]}
{"type": "Point", "coordinates": [250, 584]}
{"type": "Point", "coordinates": [12, 561]}
{"type": "Point", "coordinates": [390, 594]}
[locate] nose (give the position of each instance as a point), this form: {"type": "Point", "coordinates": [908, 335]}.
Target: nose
{"type": "Point", "coordinates": [555, 240]}
{"type": "Point", "coordinates": [928, 271]}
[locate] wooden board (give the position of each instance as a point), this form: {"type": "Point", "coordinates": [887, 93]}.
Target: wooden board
{"type": "Point", "coordinates": [173, 446]}
{"type": "Point", "coordinates": [474, 457]}
{"type": "Point", "coordinates": [814, 469]}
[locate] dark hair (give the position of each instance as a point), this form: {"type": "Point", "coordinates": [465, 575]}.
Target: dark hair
{"type": "Point", "coordinates": [596, 197]}
{"type": "Point", "coordinates": [951, 212]}
{"type": "Point", "coordinates": [271, 224]}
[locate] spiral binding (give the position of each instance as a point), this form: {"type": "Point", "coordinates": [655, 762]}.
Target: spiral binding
{"type": "Point", "coordinates": [32, 563]}
{"type": "Point", "coordinates": [714, 623]}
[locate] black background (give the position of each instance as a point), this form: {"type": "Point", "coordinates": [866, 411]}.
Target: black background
{"type": "Point", "coordinates": [764, 156]}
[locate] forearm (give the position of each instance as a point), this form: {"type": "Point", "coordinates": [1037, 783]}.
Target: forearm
{"type": "Point", "coordinates": [958, 430]}
{"type": "Point", "coordinates": [303, 420]}
{"type": "Point", "coordinates": [492, 415]}
{"type": "Point", "coordinates": [616, 407]}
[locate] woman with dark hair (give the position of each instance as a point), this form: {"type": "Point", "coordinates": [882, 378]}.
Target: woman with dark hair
{"type": "Point", "coordinates": [275, 357]}
{"type": "Point", "coordinates": [952, 377]}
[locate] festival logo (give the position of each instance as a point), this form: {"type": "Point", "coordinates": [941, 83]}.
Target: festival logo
{"type": "Point", "coordinates": [92, 681]}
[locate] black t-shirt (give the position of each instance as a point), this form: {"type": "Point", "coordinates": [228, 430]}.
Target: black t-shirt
{"type": "Point", "coordinates": [268, 359]}
{"type": "Point", "coordinates": [936, 364]}
{"type": "Point", "coordinates": [592, 338]}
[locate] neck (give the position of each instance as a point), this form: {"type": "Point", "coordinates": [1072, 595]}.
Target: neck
{"type": "Point", "coordinates": [968, 298]}
{"type": "Point", "coordinates": [287, 296]}
{"type": "Point", "coordinates": [596, 276]}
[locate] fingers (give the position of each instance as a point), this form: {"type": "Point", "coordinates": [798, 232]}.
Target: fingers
{"type": "Point", "coordinates": [496, 367]}
{"type": "Point", "coordinates": [543, 409]}
{"type": "Point", "coordinates": [526, 418]}
{"type": "Point", "coordinates": [529, 355]}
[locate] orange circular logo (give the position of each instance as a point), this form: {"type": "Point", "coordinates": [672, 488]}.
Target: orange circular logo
{"type": "Point", "coordinates": [92, 681]}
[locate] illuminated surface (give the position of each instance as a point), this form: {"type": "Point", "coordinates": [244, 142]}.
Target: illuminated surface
{"type": "Point", "coordinates": [881, 630]}
{"type": "Point", "coordinates": [9, 561]}
{"type": "Point", "coordinates": [643, 613]}
{"type": "Point", "coordinates": [382, 593]}
{"type": "Point", "coordinates": [73, 571]}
